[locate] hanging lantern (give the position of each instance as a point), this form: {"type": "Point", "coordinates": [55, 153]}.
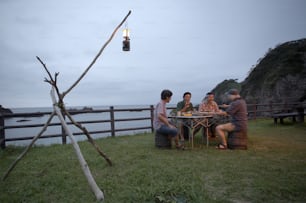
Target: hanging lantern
{"type": "Point", "coordinates": [126, 40]}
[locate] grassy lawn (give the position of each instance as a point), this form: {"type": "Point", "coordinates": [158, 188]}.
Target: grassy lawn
{"type": "Point", "coordinates": [273, 169]}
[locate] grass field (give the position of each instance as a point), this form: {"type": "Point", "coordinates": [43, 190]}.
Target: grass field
{"type": "Point", "coordinates": [273, 169]}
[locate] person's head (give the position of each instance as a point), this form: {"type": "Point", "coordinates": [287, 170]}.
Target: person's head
{"type": "Point", "coordinates": [166, 95]}
{"type": "Point", "coordinates": [187, 96]}
{"type": "Point", "coordinates": [233, 94]}
{"type": "Point", "coordinates": [210, 96]}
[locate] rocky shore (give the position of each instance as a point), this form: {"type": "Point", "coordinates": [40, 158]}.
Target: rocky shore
{"type": "Point", "coordinates": [5, 110]}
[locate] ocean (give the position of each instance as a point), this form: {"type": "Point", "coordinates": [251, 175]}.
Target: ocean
{"type": "Point", "coordinates": [33, 131]}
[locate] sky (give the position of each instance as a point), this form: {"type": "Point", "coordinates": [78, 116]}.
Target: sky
{"type": "Point", "coordinates": [175, 44]}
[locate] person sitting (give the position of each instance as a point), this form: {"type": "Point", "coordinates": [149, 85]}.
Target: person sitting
{"type": "Point", "coordinates": [184, 106]}
{"type": "Point", "coordinates": [160, 120]}
{"type": "Point", "coordinates": [237, 109]}
{"type": "Point", "coordinates": [210, 106]}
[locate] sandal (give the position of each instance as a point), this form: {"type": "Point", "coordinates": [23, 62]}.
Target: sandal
{"type": "Point", "coordinates": [221, 147]}
{"type": "Point", "coordinates": [180, 147]}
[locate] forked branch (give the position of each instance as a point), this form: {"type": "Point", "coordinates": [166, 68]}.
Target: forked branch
{"type": "Point", "coordinates": [59, 105]}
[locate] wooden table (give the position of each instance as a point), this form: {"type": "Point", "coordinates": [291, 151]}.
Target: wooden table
{"type": "Point", "coordinates": [194, 121]}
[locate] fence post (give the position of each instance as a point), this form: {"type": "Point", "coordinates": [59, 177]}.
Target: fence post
{"type": "Point", "coordinates": [300, 111]}
{"type": "Point", "coordinates": [2, 132]}
{"type": "Point", "coordinates": [112, 118]}
{"type": "Point", "coordinates": [255, 111]}
{"type": "Point", "coordinates": [64, 135]}
{"type": "Point", "coordinates": [152, 117]}
{"type": "Point", "coordinates": [271, 108]}
{"type": "Point", "coordinates": [286, 107]}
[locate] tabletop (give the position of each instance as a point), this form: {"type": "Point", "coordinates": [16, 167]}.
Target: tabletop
{"type": "Point", "coordinates": [193, 116]}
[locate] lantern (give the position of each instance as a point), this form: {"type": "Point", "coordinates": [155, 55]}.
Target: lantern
{"type": "Point", "coordinates": [126, 40]}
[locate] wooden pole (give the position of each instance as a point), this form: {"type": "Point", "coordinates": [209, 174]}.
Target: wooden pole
{"type": "Point", "coordinates": [97, 56]}
{"type": "Point", "coordinates": [28, 147]}
{"type": "Point", "coordinates": [152, 117]}
{"type": "Point", "coordinates": [2, 132]}
{"type": "Point", "coordinates": [64, 135]}
{"type": "Point", "coordinates": [90, 139]}
{"type": "Point", "coordinates": [91, 181]}
{"type": "Point", "coordinates": [112, 118]}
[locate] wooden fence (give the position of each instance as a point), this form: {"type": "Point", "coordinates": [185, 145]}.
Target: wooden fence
{"type": "Point", "coordinates": [254, 111]}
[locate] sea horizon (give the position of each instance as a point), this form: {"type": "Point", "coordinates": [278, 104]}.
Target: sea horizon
{"type": "Point", "coordinates": [33, 131]}
{"type": "Point", "coordinates": [80, 107]}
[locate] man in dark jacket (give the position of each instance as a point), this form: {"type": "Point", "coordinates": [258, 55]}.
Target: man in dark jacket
{"type": "Point", "coordinates": [238, 113]}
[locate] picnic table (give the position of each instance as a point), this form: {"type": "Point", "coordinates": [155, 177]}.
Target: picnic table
{"type": "Point", "coordinates": [293, 115]}
{"type": "Point", "coordinates": [192, 122]}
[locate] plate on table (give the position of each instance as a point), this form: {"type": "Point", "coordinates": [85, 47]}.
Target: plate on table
{"type": "Point", "coordinates": [187, 114]}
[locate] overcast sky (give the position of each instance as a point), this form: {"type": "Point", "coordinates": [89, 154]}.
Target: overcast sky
{"type": "Point", "coordinates": [181, 45]}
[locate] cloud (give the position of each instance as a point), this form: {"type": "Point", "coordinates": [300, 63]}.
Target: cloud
{"type": "Point", "coordinates": [175, 44]}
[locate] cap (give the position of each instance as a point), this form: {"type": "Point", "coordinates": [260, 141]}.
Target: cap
{"type": "Point", "coordinates": [233, 92]}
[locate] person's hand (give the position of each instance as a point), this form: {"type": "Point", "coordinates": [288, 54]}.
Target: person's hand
{"type": "Point", "coordinates": [172, 126]}
{"type": "Point", "coordinates": [222, 113]}
{"type": "Point", "coordinates": [224, 106]}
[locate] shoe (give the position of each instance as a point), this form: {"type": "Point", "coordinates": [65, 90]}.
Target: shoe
{"type": "Point", "coordinates": [180, 147]}
{"type": "Point", "coordinates": [221, 147]}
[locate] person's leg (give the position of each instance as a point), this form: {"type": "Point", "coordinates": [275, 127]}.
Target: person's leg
{"type": "Point", "coordinates": [181, 132]}
{"type": "Point", "coordinates": [222, 129]}
{"type": "Point", "coordinates": [172, 134]}
{"type": "Point", "coordinates": [179, 135]}
{"type": "Point", "coordinates": [213, 130]}
{"type": "Point", "coordinates": [176, 141]}
{"type": "Point", "coordinates": [178, 144]}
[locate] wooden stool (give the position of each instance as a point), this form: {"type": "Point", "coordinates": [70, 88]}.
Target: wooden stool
{"type": "Point", "coordinates": [162, 141]}
{"type": "Point", "coordinates": [237, 140]}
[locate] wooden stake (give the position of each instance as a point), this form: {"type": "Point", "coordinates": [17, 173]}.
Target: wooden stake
{"type": "Point", "coordinates": [91, 181]}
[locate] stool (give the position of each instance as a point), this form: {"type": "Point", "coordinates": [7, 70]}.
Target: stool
{"type": "Point", "coordinates": [162, 141]}
{"type": "Point", "coordinates": [237, 140]}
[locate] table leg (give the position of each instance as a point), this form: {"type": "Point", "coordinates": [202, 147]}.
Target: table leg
{"type": "Point", "coordinates": [191, 132]}
{"type": "Point", "coordinates": [207, 137]}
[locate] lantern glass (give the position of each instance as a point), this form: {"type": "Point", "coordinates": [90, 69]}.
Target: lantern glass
{"type": "Point", "coordinates": [126, 33]}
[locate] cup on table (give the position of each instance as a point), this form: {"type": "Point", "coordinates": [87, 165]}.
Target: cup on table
{"type": "Point", "coordinates": [179, 113]}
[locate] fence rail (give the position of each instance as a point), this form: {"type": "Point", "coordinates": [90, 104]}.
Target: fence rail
{"type": "Point", "coordinates": [254, 111]}
{"type": "Point", "coordinates": [112, 120]}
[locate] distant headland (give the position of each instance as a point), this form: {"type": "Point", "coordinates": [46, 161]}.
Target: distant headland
{"type": "Point", "coordinates": [5, 110]}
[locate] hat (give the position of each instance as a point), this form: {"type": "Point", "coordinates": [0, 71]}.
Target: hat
{"type": "Point", "coordinates": [233, 92]}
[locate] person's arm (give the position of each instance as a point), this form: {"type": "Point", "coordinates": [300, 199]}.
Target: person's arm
{"type": "Point", "coordinates": [183, 106]}
{"type": "Point", "coordinates": [179, 106]}
{"type": "Point", "coordinates": [200, 107]}
{"type": "Point", "coordinates": [163, 119]}
{"type": "Point", "coordinates": [223, 113]}
{"type": "Point", "coordinates": [216, 107]}
{"type": "Point", "coordinates": [220, 111]}
{"type": "Point", "coordinates": [191, 106]}
{"type": "Point", "coordinates": [224, 106]}
{"type": "Point", "coordinates": [186, 106]}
